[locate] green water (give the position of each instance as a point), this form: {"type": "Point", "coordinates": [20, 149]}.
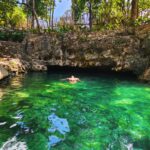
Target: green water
{"type": "Point", "coordinates": [103, 113]}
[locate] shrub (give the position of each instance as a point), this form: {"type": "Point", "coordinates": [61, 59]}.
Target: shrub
{"type": "Point", "coordinates": [16, 35]}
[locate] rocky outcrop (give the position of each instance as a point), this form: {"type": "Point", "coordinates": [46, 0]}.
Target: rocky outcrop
{"type": "Point", "coordinates": [3, 73]}
{"type": "Point", "coordinates": [11, 57]}
{"type": "Point", "coordinates": [146, 75]}
{"type": "Point", "coordinates": [113, 51]}
{"type": "Point", "coordinates": [14, 65]}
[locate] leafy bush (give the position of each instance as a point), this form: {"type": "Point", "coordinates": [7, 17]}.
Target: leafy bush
{"type": "Point", "coordinates": [3, 36]}
{"type": "Point", "coordinates": [16, 36]}
{"type": "Point", "coordinates": [142, 20]}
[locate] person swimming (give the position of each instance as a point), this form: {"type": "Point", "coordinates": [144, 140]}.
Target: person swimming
{"type": "Point", "coordinates": [72, 79]}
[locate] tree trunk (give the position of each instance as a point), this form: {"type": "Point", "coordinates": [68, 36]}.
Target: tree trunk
{"type": "Point", "coordinates": [134, 10]}
{"type": "Point", "coordinates": [74, 11]}
{"type": "Point", "coordinates": [90, 15]}
{"type": "Point", "coordinates": [52, 20]}
{"type": "Point", "coordinates": [50, 14]}
{"type": "Point", "coordinates": [128, 9]}
{"type": "Point", "coordinates": [33, 14]}
{"type": "Point", "coordinates": [36, 18]}
{"type": "Point", "coordinates": [27, 11]}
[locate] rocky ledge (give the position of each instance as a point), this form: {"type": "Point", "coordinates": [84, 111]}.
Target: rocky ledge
{"type": "Point", "coordinates": [113, 50]}
{"type": "Point", "coordinates": [3, 73]}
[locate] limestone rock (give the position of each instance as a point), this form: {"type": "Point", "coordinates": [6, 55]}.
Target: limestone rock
{"type": "Point", "coordinates": [111, 50]}
{"type": "Point", "coordinates": [38, 66]}
{"type": "Point", "coordinates": [13, 65]}
{"type": "Point", "coordinates": [146, 75]}
{"type": "Point", "coordinates": [3, 73]}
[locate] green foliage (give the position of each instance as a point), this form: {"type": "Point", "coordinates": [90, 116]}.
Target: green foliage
{"type": "Point", "coordinates": [17, 18]}
{"type": "Point", "coordinates": [11, 15]}
{"type": "Point", "coordinates": [16, 36]}
{"type": "Point", "coordinates": [105, 14]}
{"type": "Point", "coordinates": [6, 7]}
{"type": "Point", "coordinates": [142, 20]}
{"type": "Point", "coordinates": [3, 36]}
{"type": "Point", "coordinates": [34, 31]}
{"type": "Point", "coordinates": [63, 29]}
{"type": "Point", "coordinates": [111, 14]}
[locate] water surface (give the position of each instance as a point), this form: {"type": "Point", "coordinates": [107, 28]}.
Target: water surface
{"type": "Point", "coordinates": [102, 113]}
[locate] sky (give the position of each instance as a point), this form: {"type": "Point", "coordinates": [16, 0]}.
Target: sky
{"type": "Point", "coordinates": [61, 7]}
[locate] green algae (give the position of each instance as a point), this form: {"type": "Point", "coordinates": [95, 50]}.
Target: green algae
{"type": "Point", "coordinates": [102, 113]}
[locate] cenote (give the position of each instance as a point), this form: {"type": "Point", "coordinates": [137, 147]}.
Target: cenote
{"type": "Point", "coordinates": [101, 112]}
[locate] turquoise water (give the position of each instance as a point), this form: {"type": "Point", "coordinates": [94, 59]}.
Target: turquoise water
{"type": "Point", "coordinates": [102, 113]}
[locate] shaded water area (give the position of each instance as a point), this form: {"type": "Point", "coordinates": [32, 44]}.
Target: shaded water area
{"type": "Point", "coordinates": [99, 113]}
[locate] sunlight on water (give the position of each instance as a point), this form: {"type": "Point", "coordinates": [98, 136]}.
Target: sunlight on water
{"type": "Point", "coordinates": [41, 112]}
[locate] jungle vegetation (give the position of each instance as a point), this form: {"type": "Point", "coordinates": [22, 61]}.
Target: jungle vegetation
{"type": "Point", "coordinates": [90, 14]}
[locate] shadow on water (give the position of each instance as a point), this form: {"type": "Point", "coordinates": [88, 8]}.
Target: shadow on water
{"type": "Point", "coordinates": [92, 71]}
{"type": "Point", "coordinates": [103, 111]}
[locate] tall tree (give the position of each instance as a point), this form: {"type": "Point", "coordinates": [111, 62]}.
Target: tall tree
{"type": "Point", "coordinates": [134, 10]}
{"type": "Point", "coordinates": [33, 13]}
{"type": "Point", "coordinates": [6, 8]}
{"type": "Point", "coordinates": [52, 20]}
{"type": "Point", "coordinates": [90, 14]}
{"type": "Point", "coordinates": [75, 11]}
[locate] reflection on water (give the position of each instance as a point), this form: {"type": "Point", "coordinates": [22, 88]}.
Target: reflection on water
{"type": "Point", "coordinates": [13, 144]}
{"type": "Point", "coordinates": [1, 93]}
{"type": "Point", "coordinates": [16, 82]}
{"type": "Point", "coordinates": [60, 125]}
{"type": "Point", "coordinates": [41, 112]}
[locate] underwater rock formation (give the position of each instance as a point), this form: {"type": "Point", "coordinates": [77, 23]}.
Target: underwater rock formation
{"type": "Point", "coordinates": [23, 128]}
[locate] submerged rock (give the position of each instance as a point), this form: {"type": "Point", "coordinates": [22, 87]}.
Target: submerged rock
{"type": "Point", "coordinates": [23, 128]}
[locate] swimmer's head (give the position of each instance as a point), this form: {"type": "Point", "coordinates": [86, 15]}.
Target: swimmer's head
{"type": "Point", "coordinates": [72, 76]}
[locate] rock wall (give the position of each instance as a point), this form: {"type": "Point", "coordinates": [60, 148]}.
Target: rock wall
{"type": "Point", "coordinates": [3, 73]}
{"type": "Point", "coordinates": [113, 51]}
{"type": "Point", "coordinates": [11, 58]}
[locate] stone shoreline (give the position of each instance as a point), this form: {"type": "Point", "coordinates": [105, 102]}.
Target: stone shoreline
{"type": "Point", "coordinates": [113, 51]}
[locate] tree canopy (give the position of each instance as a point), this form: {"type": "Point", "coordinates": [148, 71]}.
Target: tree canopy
{"type": "Point", "coordinates": [95, 14]}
